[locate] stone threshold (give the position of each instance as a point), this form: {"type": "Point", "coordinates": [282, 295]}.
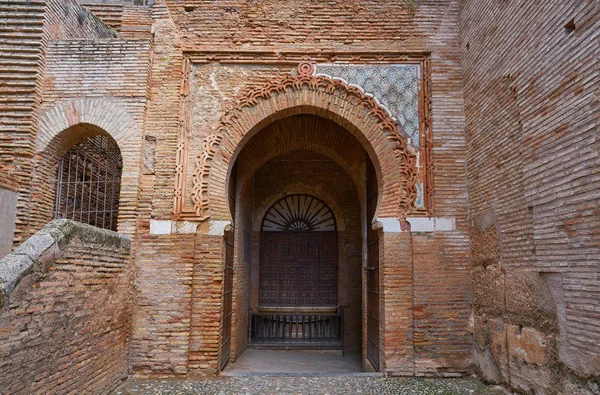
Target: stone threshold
{"type": "Point", "coordinates": [282, 374]}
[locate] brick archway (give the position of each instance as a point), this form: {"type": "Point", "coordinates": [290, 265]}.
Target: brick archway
{"type": "Point", "coordinates": [101, 112]}
{"type": "Point", "coordinates": [67, 123]}
{"type": "Point", "coordinates": [346, 105]}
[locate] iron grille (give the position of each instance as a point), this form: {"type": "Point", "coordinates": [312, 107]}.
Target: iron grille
{"type": "Point", "coordinates": [89, 182]}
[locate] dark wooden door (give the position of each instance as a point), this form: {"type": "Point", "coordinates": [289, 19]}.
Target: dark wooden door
{"type": "Point", "coordinates": [298, 269]}
{"type": "Point", "coordinates": [227, 298]}
{"type": "Point", "coordinates": [372, 272]}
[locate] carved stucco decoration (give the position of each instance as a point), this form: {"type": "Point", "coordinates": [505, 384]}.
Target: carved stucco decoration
{"type": "Point", "coordinates": [405, 155]}
{"type": "Point", "coordinates": [200, 177]}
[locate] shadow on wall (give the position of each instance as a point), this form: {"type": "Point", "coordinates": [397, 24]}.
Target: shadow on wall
{"type": "Point", "coordinates": [8, 219]}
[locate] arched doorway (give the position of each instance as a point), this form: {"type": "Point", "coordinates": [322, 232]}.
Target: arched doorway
{"type": "Point", "coordinates": [79, 176]}
{"type": "Point", "coordinates": [224, 192]}
{"type": "Point", "coordinates": [298, 192]}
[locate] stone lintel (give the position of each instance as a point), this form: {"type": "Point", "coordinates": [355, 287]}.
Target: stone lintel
{"type": "Point", "coordinates": [419, 224]}
{"type": "Point", "coordinates": [168, 227]}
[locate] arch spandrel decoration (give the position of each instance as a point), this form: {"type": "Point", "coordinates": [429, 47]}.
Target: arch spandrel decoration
{"type": "Point", "coordinates": [348, 104]}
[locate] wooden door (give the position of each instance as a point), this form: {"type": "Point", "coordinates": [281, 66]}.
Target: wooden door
{"type": "Point", "coordinates": [372, 272]}
{"type": "Point", "coordinates": [227, 298]}
{"type": "Point", "coordinates": [298, 269]}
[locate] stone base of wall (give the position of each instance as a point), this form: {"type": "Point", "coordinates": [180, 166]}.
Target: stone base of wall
{"type": "Point", "coordinates": [524, 359]}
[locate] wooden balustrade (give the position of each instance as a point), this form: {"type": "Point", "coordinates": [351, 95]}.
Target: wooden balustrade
{"type": "Point", "coordinates": [308, 330]}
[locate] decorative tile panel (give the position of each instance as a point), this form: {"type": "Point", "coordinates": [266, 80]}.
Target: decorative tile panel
{"type": "Point", "coordinates": [395, 86]}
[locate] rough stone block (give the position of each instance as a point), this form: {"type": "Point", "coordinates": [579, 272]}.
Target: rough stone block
{"type": "Point", "coordinates": [527, 344]}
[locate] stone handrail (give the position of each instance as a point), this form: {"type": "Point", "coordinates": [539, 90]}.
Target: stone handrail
{"type": "Point", "coordinates": [36, 255]}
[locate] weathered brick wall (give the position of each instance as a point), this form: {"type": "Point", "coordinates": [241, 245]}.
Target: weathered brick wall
{"type": "Point", "coordinates": [162, 316]}
{"type": "Point", "coordinates": [66, 307]}
{"type": "Point", "coordinates": [531, 81]}
{"type": "Point", "coordinates": [177, 319]}
{"type": "Point", "coordinates": [396, 348]}
{"type": "Point", "coordinates": [164, 114]}
{"type": "Point", "coordinates": [29, 26]}
{"type": "Point", "coordinates": [440, 259]}
{"type": "Point", "coordinates": [116, 68]}
{"type": "Point", "coordinates": [99, 82]}
{"type": "Point", "coordinates": [242, 263]}
{"type": "Point", "coordinates": [207, 305]}
{"type": "Point", "coordinates": [68, 19]}
{"type": "Point", "coordinates": [309, 24]}
{"type": "Point", "coordinates": [129, 20]}
{"type": "Point", "coordinates": [153, 350]}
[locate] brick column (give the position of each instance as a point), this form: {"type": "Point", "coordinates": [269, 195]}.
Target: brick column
{"type": "Point", "coordinates": [207, 305]}
{"type": "Point", "coordinates": [396, 302]}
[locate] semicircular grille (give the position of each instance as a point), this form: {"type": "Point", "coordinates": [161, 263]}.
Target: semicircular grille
{"type": "Point", "coordinates": [299, 213]}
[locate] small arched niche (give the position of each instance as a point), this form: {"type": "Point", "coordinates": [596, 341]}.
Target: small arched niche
{"type": "Point", "coordinates": [78, 176]}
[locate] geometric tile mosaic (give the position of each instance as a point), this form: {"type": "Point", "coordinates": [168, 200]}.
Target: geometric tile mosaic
{"type": "Point", "coordinates": [396, 86]}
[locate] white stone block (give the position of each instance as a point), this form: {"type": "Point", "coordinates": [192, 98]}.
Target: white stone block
{"type": "Point", "coordinates": [421, 224]}
{"type": "Point", "coordinates": [217, 228]}
{"type": "Point", "coordinates": [160, 227]}
{"type": "Point", "coordinates": [445, 224]}
{"type": "Point", "coordinates": [186, 227]}
{"type": "Point", "coordinates": [390, 225]}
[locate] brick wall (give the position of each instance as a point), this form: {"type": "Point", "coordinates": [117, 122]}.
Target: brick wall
{"type": "Point", "coordinates": [336, 24]}
{"type": "Point", "coordinates": [29, 27]}
{"type": "Point", "coordinates": [207, 305]}
{"type": "Point", "coordinates": [242, 263]}
{"type": "Point", "coordinates": [531, 81]}
{"type": "Point", "coordinates": [441, 259]}
{"type": "Point", "coordinates": [215, 82]}
{"type": "Point", "coordinates": [163, 297]}
{"type": "Point", "coordinates": [65, 20]}
{"type": "Point", "coordinates": [66, 310]}
{"type": "Point", "coordinates": [91, 87]}
{"type": "Point", "coordinates": [129, 20]}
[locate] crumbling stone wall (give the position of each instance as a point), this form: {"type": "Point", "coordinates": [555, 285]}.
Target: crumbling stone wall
{"type": "Point", "coordinates": [65, 311]}
{"type": "Point", "coordinates": [531, 82]}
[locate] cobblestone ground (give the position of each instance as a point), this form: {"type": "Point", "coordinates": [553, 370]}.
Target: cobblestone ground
{"type": "Point", "coordinates": [305, 386]}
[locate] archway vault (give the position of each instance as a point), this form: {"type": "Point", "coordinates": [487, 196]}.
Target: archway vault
{"type": "Point", "coordinates": [305, 93]}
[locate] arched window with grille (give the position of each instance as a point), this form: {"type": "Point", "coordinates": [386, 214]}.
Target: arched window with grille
{"type": "Point", "coordinates": [89, 182]}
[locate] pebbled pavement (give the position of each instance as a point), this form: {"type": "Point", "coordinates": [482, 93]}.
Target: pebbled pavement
{"type": "Point", "coordinates": [306, 386]}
